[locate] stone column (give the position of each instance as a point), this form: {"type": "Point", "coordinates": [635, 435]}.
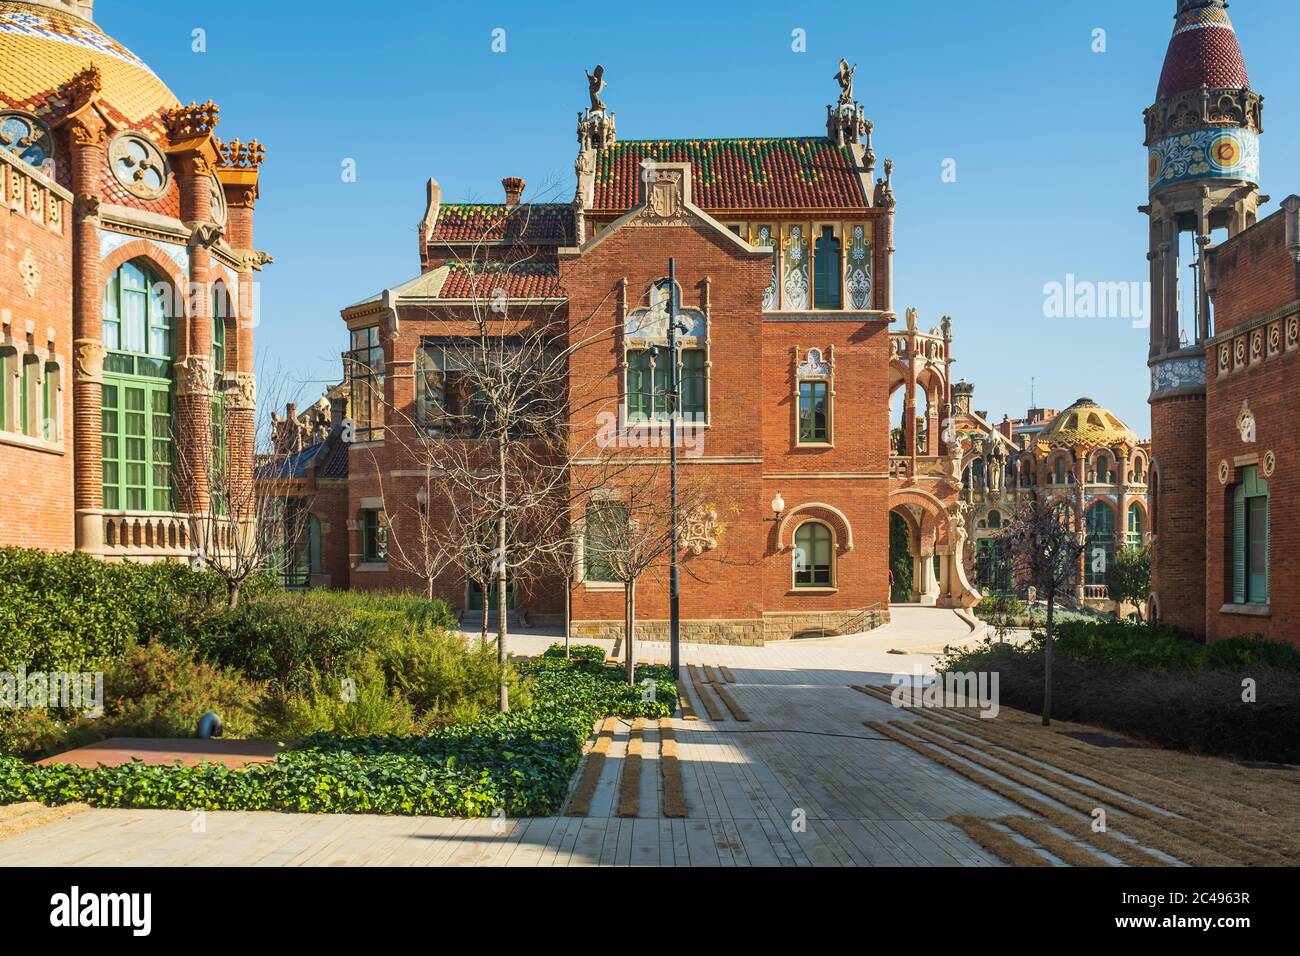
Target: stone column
{"type": "Point", "coordinates": [88, 138]}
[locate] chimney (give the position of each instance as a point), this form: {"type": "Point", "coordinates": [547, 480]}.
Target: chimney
{"type": "Point", "coordinates": [514, 187]}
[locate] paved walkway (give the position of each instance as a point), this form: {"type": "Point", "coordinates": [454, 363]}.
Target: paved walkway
{"type": "Point", "coordinates": [798, 781]}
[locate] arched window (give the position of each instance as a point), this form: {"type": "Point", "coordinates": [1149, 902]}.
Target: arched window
{"type": "Point", "coordinates": [977, 472]}
{"type": "Point", "coordinates": [1059, 476]}
{"type": "Point", "coordinates": [1136, 525]}
{"type": "Point", "coordinates": [1103, 470]}
{"type": "Point", "coordinates": [995, 519]}
{"type": "Point", "coordinates": [1100, 543]}
{"type": "Point", "coordinates": [1137, 470]}
{"type": "Point", "coordinates": [814, 558]}
{"type": "Point", "coordinates": [137, 391]}
{"type": "Point", "coordinates": [1026, 474]}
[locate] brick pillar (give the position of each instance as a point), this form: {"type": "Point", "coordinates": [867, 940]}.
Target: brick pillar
{"type": "Point", "coordinates": [1178, 568]}
{"type": "Point", "coordinates": [194, 373]}
{"type": "Point", "coordinates": [88, 138]}
{"type": "Point", "coordinates": [241, 401]}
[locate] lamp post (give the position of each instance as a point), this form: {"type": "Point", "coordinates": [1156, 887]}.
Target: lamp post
{"type": "Point", "coordinates": [674, 592]}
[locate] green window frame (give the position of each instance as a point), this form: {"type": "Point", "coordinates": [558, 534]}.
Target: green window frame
{"type": "Point", "coordinates": [26, 425]}
{"type": "Point", "coordinates": [1250, 539]}
{"type": "Point", "coordinates": [7, 357]}
{"type": "Point", "coordinates": [599, 540]}
{"type": "Point", "coordinates": [647, 387]}
{"type": "Point", "coordinates": [138, 406]}
{"type": "Point", "coordinates": [366, 371]}
{"type": "Point", "coordinates": [374, 537]}
{"type": "Point", "coordinates": [137, 446]}
{"type": "Point", "coordinates": [49, 396]}
{"type": "Point", "coordinates": [220, 312]}
{"type": "Point", "coordinates": [817, 544]}
{"type": "Point", "coordinates": [827, 271]}
{"type": "Point", "coordinates": [814, 412]}
{"type": "Point", "coordinates": [1136, 525]}
{"type": "Point", "coordinates": [1100, 521]}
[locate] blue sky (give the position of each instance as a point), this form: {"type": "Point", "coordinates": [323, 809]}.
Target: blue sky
{"type": "Point", "coordinates": [1046, 135]}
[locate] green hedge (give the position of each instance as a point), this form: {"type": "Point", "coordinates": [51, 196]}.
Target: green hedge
{"type": "Point", "coordinates": [519, 762]}
{"type": "Point", "coordinates": [73, 612]}
{"type": "Point", "coordinates": [1156, 686]}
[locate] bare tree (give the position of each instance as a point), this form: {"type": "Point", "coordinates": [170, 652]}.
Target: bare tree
{"type": "Point", "coordinates": [1045, 551]}
{"type": "Point", "coordinates": [628, 530]}
{"type": "Point", "coordinates": [491, 430]}
{"type": "Point", "coordinates": [257, 510]}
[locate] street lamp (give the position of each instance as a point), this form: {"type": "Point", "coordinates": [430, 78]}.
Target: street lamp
{"type": "Point", "coordinates": [778, 508]}
{"type": "Point", "coordinates": [674, 617]}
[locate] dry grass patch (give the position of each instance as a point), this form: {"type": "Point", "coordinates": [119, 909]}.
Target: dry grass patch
{"type": "Point", "coordinates": [998, 842]}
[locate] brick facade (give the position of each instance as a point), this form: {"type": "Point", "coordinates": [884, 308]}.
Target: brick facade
{"type": "Point", "coordinates": [593, 264]}
{"type": "Point", "coordinates": [120, 174]}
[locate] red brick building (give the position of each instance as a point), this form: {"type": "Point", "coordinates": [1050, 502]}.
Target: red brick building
{"type": "Point", "coordinates": [1224, 339]}
{"type": "Point", "coordinates": [783, 251]}
{"type": "Point", "coordinates": [126, 279]}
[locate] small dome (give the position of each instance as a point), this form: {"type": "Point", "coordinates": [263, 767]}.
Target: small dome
{"type": "Point", "coordinates": [1204, 50]}
{"type": "Point", "coordinates": [43, 46]}
{"type": "Point", "coordinates": [1087, 424]}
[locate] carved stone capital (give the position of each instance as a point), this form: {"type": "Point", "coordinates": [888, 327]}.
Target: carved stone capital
{"type": "Point", "coordinates": [89, 360]}
{"type": "Point", "coordinates": [243, 396]}
{"type": "Point", "coordinates": [194, 375]}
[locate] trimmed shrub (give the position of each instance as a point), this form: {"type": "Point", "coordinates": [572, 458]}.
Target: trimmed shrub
{"type": "Point", "coordinates": [579, 652]}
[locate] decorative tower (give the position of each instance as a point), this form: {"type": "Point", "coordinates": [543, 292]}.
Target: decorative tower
{"type": "Point", "coordinates": [1203, 140]}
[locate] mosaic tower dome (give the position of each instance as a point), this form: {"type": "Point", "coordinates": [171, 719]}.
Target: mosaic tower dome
{"type": "Point", "coordinates": [1203, 50]}
{"type": "Point", "coordinates": [1089, 425]}
{"type": "Point", "coordinates": [44, 43]}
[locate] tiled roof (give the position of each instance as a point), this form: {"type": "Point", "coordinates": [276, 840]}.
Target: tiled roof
{"type": "Point", "coordinates": [788, 173]}
{"type": "Point", "coordinates": [42, 48]}
{"type": "Point", "coordinates": [532, 223]}
{"type": "Point", "coordinates": [1204, 51]}
{"type": "Point", "coordinates": [333, 463]}
{"type": "Point", "coordinates": [517, 280]}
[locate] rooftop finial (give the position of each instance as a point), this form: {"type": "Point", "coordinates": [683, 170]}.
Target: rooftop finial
{"type": "Point", "coordinates": [845, 122]}
{"type": "Point", "coordinates": [595, 123]}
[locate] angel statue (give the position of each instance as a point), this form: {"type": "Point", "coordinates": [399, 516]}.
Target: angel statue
{"type": "Point", "coordinates": [596, 83]}
{"type": "Point", "coordinates": [844, 77]}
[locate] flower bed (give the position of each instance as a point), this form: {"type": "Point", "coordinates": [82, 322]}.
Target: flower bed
{"type": "Point", "coordinates": [519, 763]}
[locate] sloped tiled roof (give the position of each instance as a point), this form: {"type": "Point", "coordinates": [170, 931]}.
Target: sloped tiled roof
{"type": "Point", "coordinates": [1204, 51]}
{"type": "Point", "coordinates": [517, 280]}
{"type": "Point", "coordinates": [333, 462]}
{"type": "Point", "coordinates": [786, 173]}
{"type": "Point", "coordinates": [530, 223]}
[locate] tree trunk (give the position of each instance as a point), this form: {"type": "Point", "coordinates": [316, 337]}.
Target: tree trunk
{"type": "Point", "coordinates": [1047, 661]}
{"type": "Point", "coordinates": [232, 594]}
{"type": "Point", "coordinates": [500, 559]}
{"type": "Point", "coordinates": [568, 613]}
{"type": "Point", "coordinates": [629, 630]}
{"type": "Point", "coordinates": [485, 589]}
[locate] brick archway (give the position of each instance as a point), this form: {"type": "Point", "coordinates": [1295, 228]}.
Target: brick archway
{"type": "Point", "coordinates": [934, 515]}
{"type": "Point", "coordinates": [817, 511]}
{"type": "Point", "coordinates": [170, 273]}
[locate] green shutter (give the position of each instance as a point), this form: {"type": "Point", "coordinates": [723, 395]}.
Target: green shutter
{"type": "Point", "coordinates": [1239, 545]}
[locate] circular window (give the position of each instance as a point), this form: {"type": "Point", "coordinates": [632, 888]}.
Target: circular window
{"type": "Point", "coordinates": [218, 202]}
{"type": "Point", "coordinates": [138, 165]}
{"type": "Point", "coordinates": [24, 136]}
